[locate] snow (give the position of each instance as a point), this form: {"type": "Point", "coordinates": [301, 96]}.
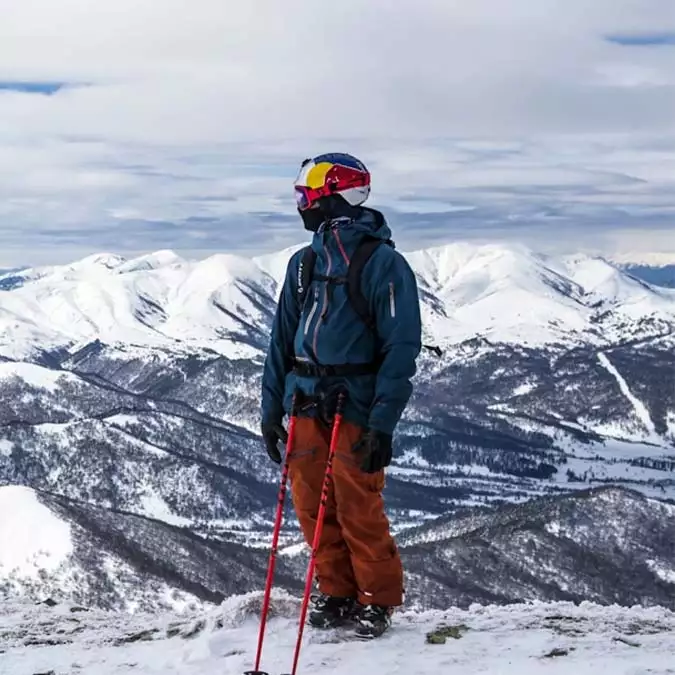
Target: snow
{"type": "Point", "coordinates": [503, 293]}
{"type": "Point", "coordinates": [293, 550]}
{"type": "Point", "coordinates": [33, 375]}
{"type": "Point", "coordinates": [514, 640]}
{"type": "Point", "coordinates": [118, 571]}
{"type": "Point", "coordinates": [6, 447]}
{"type": "Point", "coordinates": [155, 507]}
{"type": "Point", "coordinates": [664, 573]}
{"type": "Point", "coordinates": [553, 528]}
{"type": "Point", "coordinates": [511, 294]}
{"type": "Point", "coordinates": [525, 388]}
{"type": "Point", "coordinates": [276, 264]}
{"type": "Point", "coordinates": [653, 258]}
{"type": "Point", "coordinates": [639, 407]}
{"type": "Point", "coordinates": [32, 537]}
{"type": "Point", "coordinates": [154, 301]}
{"type": "Point", "coordinates": [603, 282]}
{"type": "Point", "coordinates": [622, 449]}
{"type": "Point", "coordinates": [152, 261]}
{"type": "Point", "coordinates": [670, 421]}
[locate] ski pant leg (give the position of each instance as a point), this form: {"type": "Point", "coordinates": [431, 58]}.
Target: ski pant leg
{"type": "Point", "coordinates": [365, 527]}
{"type": "Point", "coordinates": [307, 467]}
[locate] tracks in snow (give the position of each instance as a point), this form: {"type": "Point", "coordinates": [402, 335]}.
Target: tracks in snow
{"type": "Point", "coordinates": [640, 408]}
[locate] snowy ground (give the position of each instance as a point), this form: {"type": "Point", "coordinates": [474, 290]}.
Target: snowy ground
{"type": "Point", "coordinates": [538, 638]}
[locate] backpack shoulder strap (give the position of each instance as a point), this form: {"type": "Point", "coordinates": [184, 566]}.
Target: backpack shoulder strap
{"type": "Point", "coordinates": [305, 271]}
{"type": "Point", "coordinates": [358, 300]}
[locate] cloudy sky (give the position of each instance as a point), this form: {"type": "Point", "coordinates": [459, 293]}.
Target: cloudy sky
{"type": "Point", "coordinates": [134, 125]}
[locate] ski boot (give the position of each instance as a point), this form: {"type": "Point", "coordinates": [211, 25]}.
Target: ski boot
{"type": "Point", "coordinates": [330, 612]}
{"type": "Point", "coordinates": [372, 621]}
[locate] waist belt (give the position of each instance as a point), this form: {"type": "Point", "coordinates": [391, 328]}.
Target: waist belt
{"type": "Point", "coordinates": [304, 369]}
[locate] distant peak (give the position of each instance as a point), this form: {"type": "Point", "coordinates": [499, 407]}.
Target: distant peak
{"type": "Point", "coordinates": [657, 259]}
{"type": "Point", "coordinates": [109, 260]}
{"type": "Point", "coordinates": [151, 261]}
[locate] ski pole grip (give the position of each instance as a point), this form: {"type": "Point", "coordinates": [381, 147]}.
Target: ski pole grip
{"type": "Point", "coordinates": [340, 407]}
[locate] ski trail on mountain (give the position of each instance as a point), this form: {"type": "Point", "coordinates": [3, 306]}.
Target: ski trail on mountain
{"type": "Point", "coordinates": [639, 407]}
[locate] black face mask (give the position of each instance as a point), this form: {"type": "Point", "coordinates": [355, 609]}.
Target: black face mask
{"type": "Point", "coordinates": [312, 219]}
{"type": "Point", "coordinates": [333, 206]}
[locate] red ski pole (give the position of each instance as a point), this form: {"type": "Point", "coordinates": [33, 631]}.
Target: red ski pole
{"type": "Point", "coordinates": [275, 540]}
{"type": "Point", "coordinates": [319, 527]}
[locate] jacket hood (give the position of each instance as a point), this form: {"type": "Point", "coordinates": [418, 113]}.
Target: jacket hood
{"type": "Point", "coordinates": [354, 227]}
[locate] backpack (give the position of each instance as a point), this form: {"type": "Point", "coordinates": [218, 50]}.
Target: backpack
{"type": "Point", "coordinates": [362, 255]}
{"type": "Point", "coordinates": [357, 299]}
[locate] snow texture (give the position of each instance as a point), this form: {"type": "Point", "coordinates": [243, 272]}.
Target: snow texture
{"type": "Point", "coordinates": [33, 375]}
{"type": "Point", "coordinates": [32, 538]}
{"type": "Point", "coordinates": [156, 300]}
{"type": "Point", "coordinates": [640, 408]}
{"type": "Point", "coordinates": [516, 640]}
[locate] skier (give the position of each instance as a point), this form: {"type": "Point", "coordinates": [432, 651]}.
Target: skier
{"type": "Point", "coordinates": [348, 319]}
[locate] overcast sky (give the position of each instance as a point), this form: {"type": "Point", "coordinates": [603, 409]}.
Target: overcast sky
{"type": "Point", "coordinates": [135, 125]}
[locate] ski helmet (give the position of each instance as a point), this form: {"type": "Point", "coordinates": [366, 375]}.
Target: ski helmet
{"type": "Point", "coordinates": [332, 174]}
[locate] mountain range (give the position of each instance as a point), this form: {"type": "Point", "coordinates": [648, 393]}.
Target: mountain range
{"type": "Point", "coordinates": [659, 275]}
{"type": "Point", "coordinates": [129, 393]}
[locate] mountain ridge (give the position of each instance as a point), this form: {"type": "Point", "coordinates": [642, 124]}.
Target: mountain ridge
{"type": "Point", "coordinates": [220, 301]}
{"type": "Point", "coordinates": [542, 550]}
{"type": "Point", "coordinates": [129, 391]}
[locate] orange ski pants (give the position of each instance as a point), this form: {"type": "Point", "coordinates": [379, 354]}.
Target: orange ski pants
{"type": "Point", "coordinates": [357, 556]}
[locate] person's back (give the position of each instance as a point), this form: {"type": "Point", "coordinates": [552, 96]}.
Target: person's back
{"type": "Point", "coordinates": [348, 320]}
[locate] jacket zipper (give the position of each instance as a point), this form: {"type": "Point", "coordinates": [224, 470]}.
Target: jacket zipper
{"type": "Point", "coordinates": [392, 300]}
{"type": "Point", "coordinates": [341, 247]}
{"type": "Point", "coordinates": [322, 316]}
{"type": "Point", "coordinates": [312, 312]}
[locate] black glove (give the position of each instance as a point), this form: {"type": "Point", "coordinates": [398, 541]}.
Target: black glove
{"type": "Point", "coordinates": [374, 449]}
{"type": "Point", "coordinates": [272, 433]}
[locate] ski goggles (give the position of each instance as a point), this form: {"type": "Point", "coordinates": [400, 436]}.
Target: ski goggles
{"type": "Point", "coordinates": [305, 197]}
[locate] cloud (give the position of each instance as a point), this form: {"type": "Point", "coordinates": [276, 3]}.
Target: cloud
{"type": "Point", "coordinates": [263, 69]}
{"type": "Point", "coordinates": [71, 198]}
{"type": "Point", "coordinates": [44, 88]}
{"type": "Point", "coordinates": [643, 39]}
{"type": "Point", "coordinates": [196, 115]}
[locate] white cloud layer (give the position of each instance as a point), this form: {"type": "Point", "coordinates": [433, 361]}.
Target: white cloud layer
{"type": "Point", "coordinates": [485, 118]}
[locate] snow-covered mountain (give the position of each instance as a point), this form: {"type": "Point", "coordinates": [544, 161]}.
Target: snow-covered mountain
{"type": "Point", "coordinates": [658, 275]}
{"type": "Point", "coordinates": [509, 294]}
{"type": "Point", "coordinates": [589, 545]}
{"type": "Point", "coordinates": [131, 387]}
{"type": "Point", "coordinates": [586, 545]}
{"type": "Point", "coordinates": [158, 300]}
{"type": "Point", "coordinates": [223, 303]}
{"type": "Point", "coordinates": [63, 550]}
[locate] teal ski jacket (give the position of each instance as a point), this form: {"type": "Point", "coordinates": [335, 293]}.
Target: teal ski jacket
{"type": "Point", "coordinates": [327, 330]}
